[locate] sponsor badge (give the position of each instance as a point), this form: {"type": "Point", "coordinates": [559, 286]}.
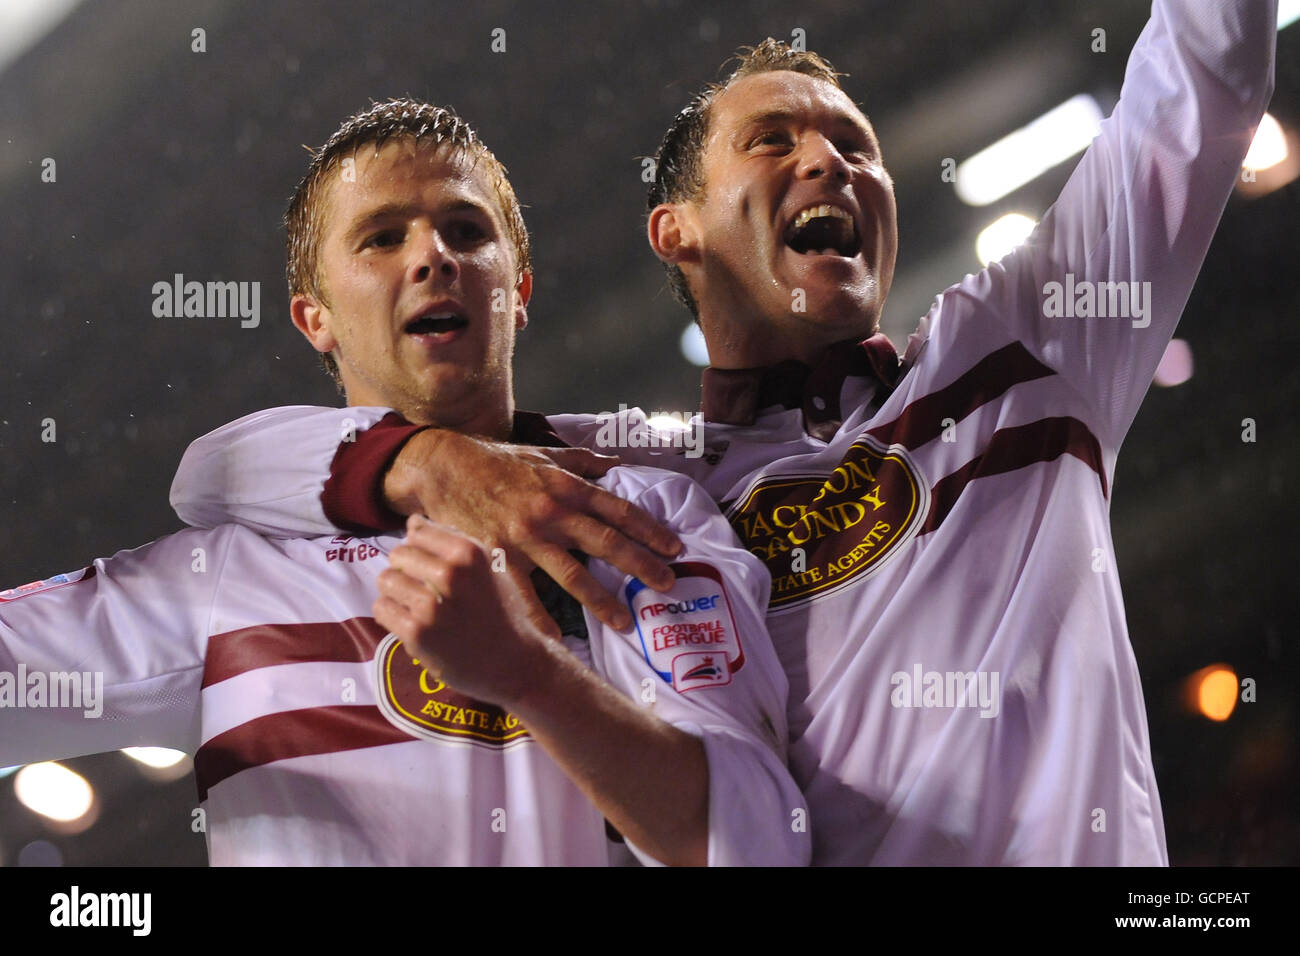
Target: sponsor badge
{"type": "Point", "coordinates": [688, 634]}
{"type": "Point", "coordinates": [417, 702]}
{"type": "Point", "coordinates": [36, 587]}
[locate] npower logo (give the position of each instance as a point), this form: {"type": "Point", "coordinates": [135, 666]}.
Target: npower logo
{"type": "Point", "coordinates": [680, 607]}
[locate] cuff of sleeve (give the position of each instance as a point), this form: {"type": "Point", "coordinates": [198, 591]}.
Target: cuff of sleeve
{"type": "Point", "coordinates": [353, 494]}
{"type": "Point", "coordinates": [757, 817]}
{"type": "Point", "coordinates": [694, 730]}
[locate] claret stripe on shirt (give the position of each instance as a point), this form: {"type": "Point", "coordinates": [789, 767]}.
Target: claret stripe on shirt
{"type": "Point", "coordinates": [922, 420]}
{"type": "Point", "coordinates": [1013, 448]}
{"type": "Point", "coordinates": [268, 645]}
{"type": "Point", "coordinates": [292, 733]}
{"type": "Point", "coordinates": [1008, 449]}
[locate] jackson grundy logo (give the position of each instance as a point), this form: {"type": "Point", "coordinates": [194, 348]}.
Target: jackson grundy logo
{"type": "Point", "coordinates": [844, 525]}
{"type": "Point", "coordinates": [417, 702]}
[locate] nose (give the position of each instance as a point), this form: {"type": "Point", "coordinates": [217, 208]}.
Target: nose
{"type": "Point", "coordinates": [818, 157]}
{"type": "Point", "coordinates": [432, 257]}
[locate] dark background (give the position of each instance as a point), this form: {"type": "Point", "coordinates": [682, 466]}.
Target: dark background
{"type": "Point", "coordinates": [174, 161]}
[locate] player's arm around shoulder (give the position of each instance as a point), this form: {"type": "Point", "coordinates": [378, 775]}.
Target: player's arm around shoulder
{"type": "Point", "coordinates": [307, 471]}
{"type": "Point", "coordinates": [699, 657]}
{"type": "Point", "coordinates": [266, 470]}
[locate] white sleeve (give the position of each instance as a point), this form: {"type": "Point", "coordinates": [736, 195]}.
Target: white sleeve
{"type": "Point", "coordinates": [266, 471]}
{"type": "Point", "coordinates": [1141, 207]}
{"type": "Point", "coordinates": [110, 656]}
{"type": "Point", "coordinates": [701, 656]}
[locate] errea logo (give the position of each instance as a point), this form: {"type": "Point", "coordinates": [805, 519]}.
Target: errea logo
{"type": "Point", "coordinates": [341, 550]}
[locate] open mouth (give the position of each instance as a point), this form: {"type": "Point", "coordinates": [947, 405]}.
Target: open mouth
{"type": "Point", "coordinates": [823, 231]}
{"type": "Point", "coordinates": [436, 323]}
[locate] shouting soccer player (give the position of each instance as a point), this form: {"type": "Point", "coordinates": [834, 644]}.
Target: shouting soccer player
{"type": "Point", "coordinates": [963, 690]}
{"type": "Point", "coordinates": [461, 724]}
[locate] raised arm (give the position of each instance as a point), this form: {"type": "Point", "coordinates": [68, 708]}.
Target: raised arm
{"type": "Point", "coordinates": [301, 471]}
{"type": "Point", "coordinates": [681, 747]}
{"type": "Point", "coordinates": [1097, 290]}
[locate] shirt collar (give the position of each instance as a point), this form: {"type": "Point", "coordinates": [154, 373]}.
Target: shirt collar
{"type": "Point", "coordinates": [735, 396]}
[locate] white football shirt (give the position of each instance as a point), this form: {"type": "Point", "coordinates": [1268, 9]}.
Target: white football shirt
{"type": "Point", "coordinates": [945, 600]}
{"type": "Point", "coordinates": [317, 740]}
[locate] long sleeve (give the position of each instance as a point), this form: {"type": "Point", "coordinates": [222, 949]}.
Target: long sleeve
{"type": "Point", "coordinates": [1097, 290]}
{"type": "Point", "coordinates": [266, 471]}
{"type": "Point", "coordinates": [109, 656]}
{"type": "Point", "coordinates": [702, 654]}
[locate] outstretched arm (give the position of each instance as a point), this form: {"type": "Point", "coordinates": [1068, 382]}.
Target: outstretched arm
{"type": "Point", "coordinates": [114, 651]}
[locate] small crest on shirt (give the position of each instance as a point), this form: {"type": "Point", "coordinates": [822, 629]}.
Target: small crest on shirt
{"type": "Point", "coordinates": [688, 635]}
{"type": "Point", "coordinates": [819, 533]}
{"type": "Point", "coordinates": [36, 587]}
{"type": "Point", "coordinates": [417, 702]}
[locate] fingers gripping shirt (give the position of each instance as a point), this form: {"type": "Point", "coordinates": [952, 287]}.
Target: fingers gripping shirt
{"type": "Point", "coordinates": [319, 741]}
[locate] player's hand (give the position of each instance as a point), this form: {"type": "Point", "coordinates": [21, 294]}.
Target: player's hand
{"type": "Point", "coordinates": [466, 624]}
{"type": "Point", "coordinates": [535, 505]}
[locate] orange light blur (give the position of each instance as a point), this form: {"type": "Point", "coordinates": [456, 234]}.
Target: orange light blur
{"type": "Point", "coordinates": [1216, 690]}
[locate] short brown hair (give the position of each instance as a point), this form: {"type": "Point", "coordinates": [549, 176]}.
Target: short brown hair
{"type": "Point", "coordinates": [396, 119]}
{"type": "Point", "coordinates": [679, 173]}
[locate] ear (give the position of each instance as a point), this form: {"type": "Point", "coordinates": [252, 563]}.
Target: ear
{"type": "Point", "coordinates": [672, 233]}
{"type": "Point", "coordinates": [312, 320]}
{"type": "Point", "coordinates": [523, 292]}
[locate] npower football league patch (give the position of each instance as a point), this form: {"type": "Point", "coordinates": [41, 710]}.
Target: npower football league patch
{"type": "Point", "coordinates": [688, 635]}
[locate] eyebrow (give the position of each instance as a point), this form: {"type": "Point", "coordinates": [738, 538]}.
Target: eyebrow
{"type": "Point", "coordinates": [402, 210]}
{"type": "Point", "coordinates": [840, 118]}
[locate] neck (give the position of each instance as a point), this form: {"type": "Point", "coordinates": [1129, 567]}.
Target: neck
{"type": "Point", "coordinates": [494, 421]}
{"type": "Point", "coordinates": [739, 346]}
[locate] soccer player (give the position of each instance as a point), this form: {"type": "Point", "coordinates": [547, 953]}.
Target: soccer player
{"type": "Point", "coordinates": [458, 725]}
{"type": "Point", "coordinates": [963, 690]}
